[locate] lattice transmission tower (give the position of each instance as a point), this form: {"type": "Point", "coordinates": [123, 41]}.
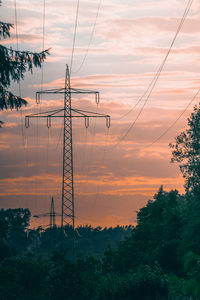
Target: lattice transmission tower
{"type": "Point", "coordinates": [67, 113]}
{"type": "Point", "coordinates": [52, 215]}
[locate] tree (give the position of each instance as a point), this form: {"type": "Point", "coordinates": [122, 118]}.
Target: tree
{"type": "Point", "coordinates": [13, 235]}
{"type": "Point", "coordinates": [186, 151]}
{"type": "Point", "coordinates": [13, 65]}
{"type": "Point", "coordinates": [192, 269]}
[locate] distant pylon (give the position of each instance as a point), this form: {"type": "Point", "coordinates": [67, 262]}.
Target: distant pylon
{"type": "Point", "coordinates": [52, 222]}
{"type": "Point", "coordinates": [52, 215]}
{"type": "Point", "coordinates": [67, 214]}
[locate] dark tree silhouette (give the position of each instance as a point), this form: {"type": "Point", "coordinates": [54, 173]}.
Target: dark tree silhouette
{"type": "Point", "coordinates": [186, 151]}
{"type": "Point", "coordinates": [13, 65]}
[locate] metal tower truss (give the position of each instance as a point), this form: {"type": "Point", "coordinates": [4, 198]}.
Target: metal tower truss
{"type": "Point", "coordinates": [67, 113]}
{"type": "Point", "coordinates": [52, 215]}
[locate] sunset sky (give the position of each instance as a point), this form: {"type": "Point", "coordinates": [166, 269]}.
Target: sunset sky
{"type": "Point", "coordinates": [115, 173]}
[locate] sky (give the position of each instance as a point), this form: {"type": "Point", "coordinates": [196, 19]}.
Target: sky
{"type": "Point", "coordinates": [116, 170]}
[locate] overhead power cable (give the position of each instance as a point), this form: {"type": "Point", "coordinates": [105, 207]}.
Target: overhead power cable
{"type": "Point", "coordinates": [17, 42]}
{"type": "Point", "coordinates": [74, 38]}
{"type": "Point", "coordinates": [43, 41]}
{"type": "Point", "coordinates": [156, 76]}
{"type": "Point", "coordinates": [19, 83]}
{"type": "Point", "coordinates": [177, 119]}
{"type": "Point", "coordinates": [16, 25]}
{"type": "Point", "coordinates": [90, 40]}
{"type": "Point", "coordinates": [155, 79]}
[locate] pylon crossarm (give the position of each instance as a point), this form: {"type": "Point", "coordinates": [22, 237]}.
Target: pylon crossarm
{"type": "Point", "coordinates": [41, 215]}
{"type": "Point", "coordinates": [78, 114]}
{"type": "Point", "coordinates": [107, 117]}
{"type": "Point", "coordinates": [46, 215]}
{"type": "Point", "coordinates": [62, 91]}
{"type": "Point", "coordinates": [70, 91]}
{"type": "Point", "coordinates": [85, 113]}
{"type": "Point", "coordinates": [48, 113]}
{"type": "Point", "coordinates": [83, 91]}
{"type": "Point", "coordinates": [53, 91]}
{"type": "Point", "coordinates": [88, 114]}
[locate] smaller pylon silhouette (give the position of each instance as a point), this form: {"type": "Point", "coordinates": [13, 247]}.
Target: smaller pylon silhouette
{"type": "Point", "coordinates": [52, 215]}
{"type": "Point", "coordinates": [52, 222]}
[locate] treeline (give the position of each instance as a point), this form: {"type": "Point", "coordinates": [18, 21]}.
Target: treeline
{"type": "Point", "coordinates": [17, 238]}
{"type": "Point", "coordinates": [160, 258]}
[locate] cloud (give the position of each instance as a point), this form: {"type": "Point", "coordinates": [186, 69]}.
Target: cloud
{"type": "Point", "coordinates": [25, 185]}
{"type": "Point", "coordinates": [114, 176]}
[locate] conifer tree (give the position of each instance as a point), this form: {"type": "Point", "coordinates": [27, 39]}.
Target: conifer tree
{"type": "Point", "coordinates": [13, 65]}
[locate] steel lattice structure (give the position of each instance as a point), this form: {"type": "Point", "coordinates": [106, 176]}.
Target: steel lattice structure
{"type": "Point", "coordinates": [67, 113]}
{"type": "Point", "coordinates": [52, 215]}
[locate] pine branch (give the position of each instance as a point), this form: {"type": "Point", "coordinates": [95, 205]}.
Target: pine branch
{"type": "Point", "coordinates": [13, 63]}
{"type": "Point", "coordinates": [10, 101]}
{"type": "Point", "coordinates": [32, 58]}
{"type": "Point", "coordinates": [5, 29]}
{"type": "Point", "coordinates": [24, 54]}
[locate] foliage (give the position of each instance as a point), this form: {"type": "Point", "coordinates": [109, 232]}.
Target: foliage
{"type": "Point", "coordinates": [190, 234]}
{"type": "Point", "coordinates": [14, 219]}
{"type": "Point", "coordinates": [144, 283]}
{"type": "Point", "coordinates": [186, 151]}
{"type": "Point", "coordinates": [82, 242]}
{"type": "Point", "coordinates": [192, 269]}
{"type": "Point", "coordinates": [13, 226]}
{"type": "Point", "coordinates": [5, 29]}
{"type": "Point", "coordinates": [13, 65]}
{"type": "Point", "coordinates": [155, 238]}
{"type": "Point", "coordinates": [24, 278]}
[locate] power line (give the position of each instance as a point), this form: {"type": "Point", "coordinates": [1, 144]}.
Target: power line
{"type": "Point", "coordinates": [43, 41]}
{"type": "Point", "coordinates": [91, 38]}
{"type": "Point", "coordinates": [16, 25]}
{"type": "Point", "coordinates": [74, 38]}
{"type": "Point", "coordinates": [98, 190]}
{"type": "Point", "coordinates": [38, 109]}
{"type": "Point", "coordinates": [155, 79]}
{"type": "Point", "coordinates": [82, 165]}
{"type": "Point", "coordinates": [19, 83]}
{"type": "Point", "coordinates": [177, 119]}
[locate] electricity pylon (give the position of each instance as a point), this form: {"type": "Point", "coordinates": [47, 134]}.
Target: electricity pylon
{"type": "Point", "coordinates": [52, 215]}
{"type": "Point", "coordinates": [67, 113]}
